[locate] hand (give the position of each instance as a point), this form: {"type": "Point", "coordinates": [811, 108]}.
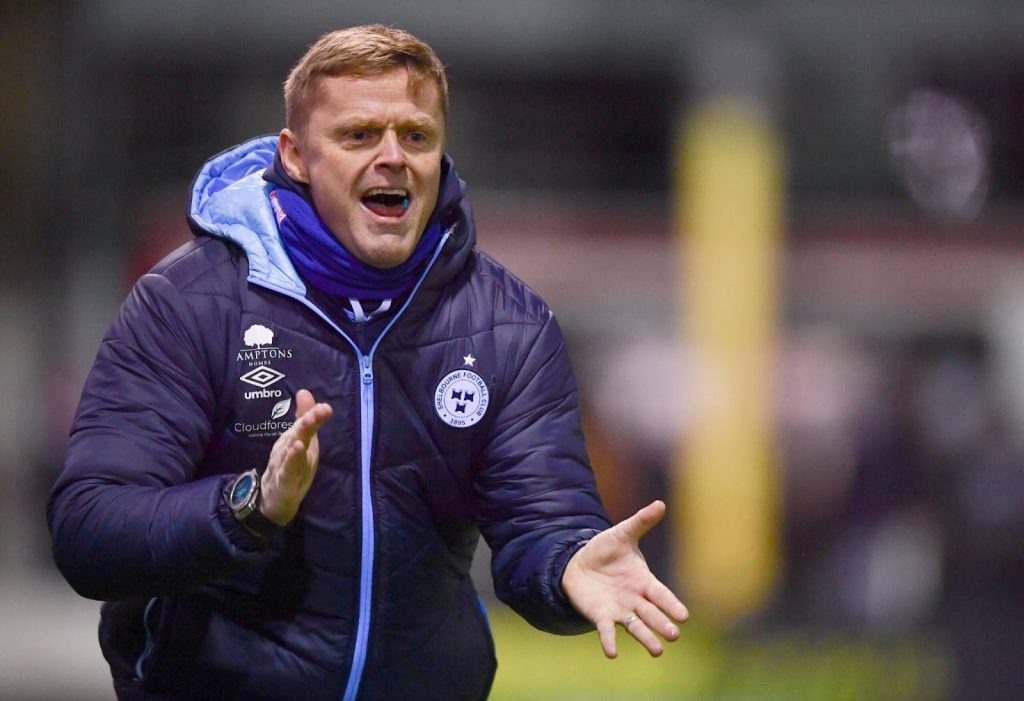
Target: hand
{"type": "Point", "coordinates": [608, 581]}
{"type": "Point", "coordinates": [293, 461]}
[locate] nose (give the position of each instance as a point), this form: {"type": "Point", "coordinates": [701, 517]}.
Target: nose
{"type": "Point", "coordinates": [391, 155]}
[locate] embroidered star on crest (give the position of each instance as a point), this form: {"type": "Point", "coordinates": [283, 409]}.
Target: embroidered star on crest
{"type": "Point", "coordinates": [469, 359]}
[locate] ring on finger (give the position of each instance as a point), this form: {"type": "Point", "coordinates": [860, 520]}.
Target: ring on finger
{"type": "Point", "coordinates": [629, 621]}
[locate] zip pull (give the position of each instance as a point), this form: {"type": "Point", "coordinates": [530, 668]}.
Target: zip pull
{"type": "Point", "coordinates": [367, 370]}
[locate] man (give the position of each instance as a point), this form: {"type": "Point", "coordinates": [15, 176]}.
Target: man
{"type": "Point", "coordinates": [246, 555]}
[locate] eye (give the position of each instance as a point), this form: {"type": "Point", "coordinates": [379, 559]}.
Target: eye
{"type": "Point", "coordinates": [358, 136]}
{"type": "Point", "coordinates": [420, 137]}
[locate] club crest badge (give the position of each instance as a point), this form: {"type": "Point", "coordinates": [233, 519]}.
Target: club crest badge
{"type": "Point", "coordinates": [461, 398]}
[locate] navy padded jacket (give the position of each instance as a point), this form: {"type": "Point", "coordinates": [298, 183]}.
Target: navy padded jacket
{"type": "Point", "coordinates": [367, 594]}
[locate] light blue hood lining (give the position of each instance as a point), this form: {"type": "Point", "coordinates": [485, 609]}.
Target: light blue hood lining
{"type": "Point", "coordinates": [230, 199]}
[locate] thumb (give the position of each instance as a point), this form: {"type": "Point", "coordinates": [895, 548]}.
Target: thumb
{"type": "Point", "coordinates": [636, 526]}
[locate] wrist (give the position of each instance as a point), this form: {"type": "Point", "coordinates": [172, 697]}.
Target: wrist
{"type": "Point", "coordinates": [243, 496]}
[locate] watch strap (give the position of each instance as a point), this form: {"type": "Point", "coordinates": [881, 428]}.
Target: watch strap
{"type": "Point", "coordinates": [258, 524]}
{"type": "Point", "coordinates": [249, 515]}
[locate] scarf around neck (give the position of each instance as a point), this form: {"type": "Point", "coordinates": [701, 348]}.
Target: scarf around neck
{"type": "Point", "coordinates": [325, 263]}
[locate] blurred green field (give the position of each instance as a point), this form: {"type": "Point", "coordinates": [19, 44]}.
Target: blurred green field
{"type": "Point", "coordinates": [789, 666]}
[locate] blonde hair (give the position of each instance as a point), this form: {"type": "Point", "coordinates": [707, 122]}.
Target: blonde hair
{"type": "Point", "coordinates": [368, 50]}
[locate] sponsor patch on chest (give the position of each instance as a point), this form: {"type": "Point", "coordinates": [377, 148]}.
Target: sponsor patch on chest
{"type": "Point", "coordinates": [262, 381]}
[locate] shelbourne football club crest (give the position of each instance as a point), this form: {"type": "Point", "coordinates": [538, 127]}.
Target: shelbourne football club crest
{"type": "Point", "coordinates": [461, 398]}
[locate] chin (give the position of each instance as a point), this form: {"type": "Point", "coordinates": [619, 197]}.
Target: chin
{"type": "Point", "coordinates": [388, 258]}
{"type": "Point", "coordinates": [382, 246]}
{"type": "Point", "coordinates": [387, 251]}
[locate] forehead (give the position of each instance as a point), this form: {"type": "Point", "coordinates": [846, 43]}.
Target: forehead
{"type": "Point", "coordinates": [392, 95]}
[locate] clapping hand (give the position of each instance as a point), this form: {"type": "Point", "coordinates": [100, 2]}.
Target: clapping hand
{"type": "Point", "coordinates": [293, 460]}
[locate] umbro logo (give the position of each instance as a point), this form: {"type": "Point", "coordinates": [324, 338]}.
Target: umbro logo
{"type": "Point", "coordinates": [262, 376]}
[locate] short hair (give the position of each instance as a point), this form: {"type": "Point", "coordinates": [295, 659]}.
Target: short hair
{"type": "Point", "coordinates": [367, 50]}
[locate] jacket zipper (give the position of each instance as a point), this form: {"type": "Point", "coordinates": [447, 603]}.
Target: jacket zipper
{"type": "Point", "coordinates": [367, 552]}
{"type": "Point", "coordinates": [366, 411]}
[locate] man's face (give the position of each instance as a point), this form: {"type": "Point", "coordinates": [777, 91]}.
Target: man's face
{"type": "Point", "coordinates": [371, 155]}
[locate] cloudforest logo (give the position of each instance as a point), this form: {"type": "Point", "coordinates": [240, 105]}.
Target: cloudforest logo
{"type": "Point", "coordinates": [281, 408]}
{"type": "Point", "coordinates": [271, 427]}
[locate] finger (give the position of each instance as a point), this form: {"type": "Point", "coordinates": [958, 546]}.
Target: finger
{"type": "Point", "coordinates": [313, 453]}
{"type": "Point", "coordinates": [657, 621]}
{"type": "Point", "coordinates": [308, 423]}
{"type": "Point", "coordinates": [638, 629]}
{"type": "Point", "coordinates": [303, 402]}
{"type": "Point", "coordinates": [662, 597]}
{"type": "Point", "coordinates": [637, 525]}
{"type": "Point", "coordinates": [293, 467]}
{"type": "Point", "coordinates": [606, 633]}
{"type": "Point", "coordinates": [296, 455]}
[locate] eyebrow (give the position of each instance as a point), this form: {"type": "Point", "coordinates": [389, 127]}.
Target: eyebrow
{"type": "Point", "coordinates": [364, 121]}
{"type": "Point", "coordinates": [421, 122]}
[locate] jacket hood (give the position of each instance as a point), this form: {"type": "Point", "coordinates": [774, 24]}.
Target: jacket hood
{"type": "Point", "coordinates": [231, 200]}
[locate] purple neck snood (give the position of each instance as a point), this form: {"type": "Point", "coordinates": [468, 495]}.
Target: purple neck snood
{"type": "Point", "coordinates": [327, 265]}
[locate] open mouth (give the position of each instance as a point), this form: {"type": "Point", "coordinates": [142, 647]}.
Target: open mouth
{"type": "Point", "coordinates": [386, 202]}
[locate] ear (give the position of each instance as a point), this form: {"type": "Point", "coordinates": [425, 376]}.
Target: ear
{"type": "Point", "coordinates": [291, 156]}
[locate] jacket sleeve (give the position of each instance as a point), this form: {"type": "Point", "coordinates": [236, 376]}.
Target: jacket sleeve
{"type": "Point", "coordinates": [536, 492]}
{"type": "Point", "coordinates": [127, 515]}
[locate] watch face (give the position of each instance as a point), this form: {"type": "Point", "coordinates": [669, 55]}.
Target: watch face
{"type": "Point", "coordinates": [243, 488]}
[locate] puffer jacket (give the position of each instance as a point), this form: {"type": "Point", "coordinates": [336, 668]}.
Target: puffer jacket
{"type": "Point", "coordinates": [455, 416]}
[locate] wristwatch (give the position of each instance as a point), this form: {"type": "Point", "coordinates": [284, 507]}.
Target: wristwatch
{"type": "Point", "coordinates": [243, 498]}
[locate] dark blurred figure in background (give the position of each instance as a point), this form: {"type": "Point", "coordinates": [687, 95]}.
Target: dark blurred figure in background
{"type": "Point", "coordinates": [905, 501]}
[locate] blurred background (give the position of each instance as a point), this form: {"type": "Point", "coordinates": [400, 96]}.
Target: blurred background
{"type": "Point", "coordinates": [784, 240]}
